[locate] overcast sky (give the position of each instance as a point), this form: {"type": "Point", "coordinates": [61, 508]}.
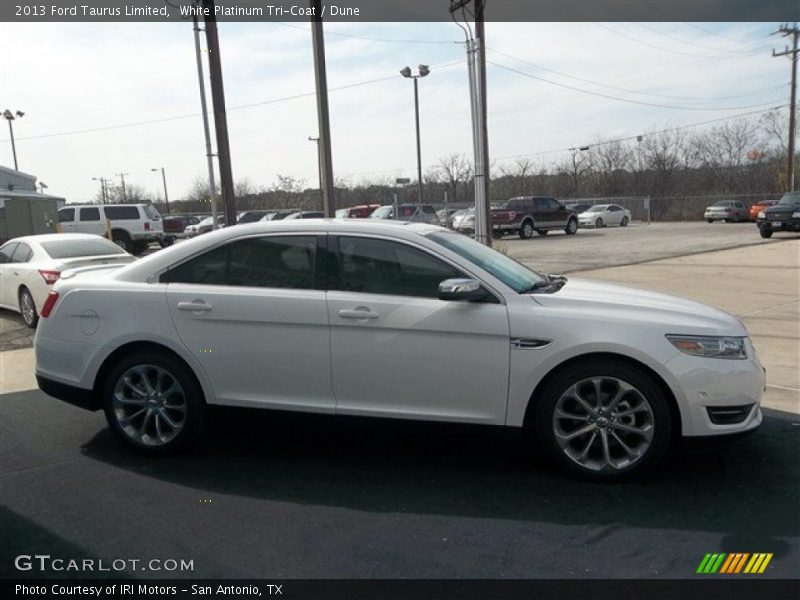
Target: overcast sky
{"type": "Point", "coordinates": [72, 77]}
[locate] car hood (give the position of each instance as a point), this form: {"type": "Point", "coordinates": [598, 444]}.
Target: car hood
{"type": "Point", "coordinates": [620, 303]}
{"type": "Point", "coordinates": [782, 208]}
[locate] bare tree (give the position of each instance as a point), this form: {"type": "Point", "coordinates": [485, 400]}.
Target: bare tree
{"type": "Point", "coordinates": [455, 172]}
{"type": "Point", "coordinates": [726, 151]}
{"type": "Point", "coordinates": [610, 164]}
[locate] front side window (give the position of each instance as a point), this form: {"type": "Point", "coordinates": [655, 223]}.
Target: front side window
{"type": "Point", "coordinates": [553, 203]}
{"type": "Point", "coordinates": [90, 214]}
{"type": "Point", "coordinates": [269, 261]}
{"type": "Point", "coordinates": [374, 266]}
{"type": "Point", "coordinates": [66, 215]}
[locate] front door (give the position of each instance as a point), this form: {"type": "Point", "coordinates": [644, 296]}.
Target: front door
{"type": "Point", "coordinates": [253, 313]}
{"type": "Point", "coordinates": [399, 351]}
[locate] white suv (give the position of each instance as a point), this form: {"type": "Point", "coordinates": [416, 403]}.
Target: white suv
{"type": "Point", "coordinates": [132, 226]}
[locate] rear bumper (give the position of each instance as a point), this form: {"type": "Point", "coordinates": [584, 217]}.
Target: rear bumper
{"type": "Point", "coordinates": [71, 394]}
{"type": "Point", "coordinates": [150, 236]}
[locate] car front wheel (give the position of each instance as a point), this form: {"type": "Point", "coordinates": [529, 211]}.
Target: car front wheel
{"type": "Point", "coordinates": [572, 227]}
{"type": "Point", "coordinates": [603, 420]}
{"type": "Point", "coordinates": [766, 232]}
{"type": "Point", "coordinates": [153, 402]}
{"type": "Point", "coordinates": [598, 223]}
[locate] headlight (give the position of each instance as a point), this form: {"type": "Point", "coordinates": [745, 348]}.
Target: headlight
{"type": "Point", "coordinates": [796, 214]}
{"type": "Point", "coordinates": [761, 214]}
{"type": "Point", "coordinates": [710, 347]}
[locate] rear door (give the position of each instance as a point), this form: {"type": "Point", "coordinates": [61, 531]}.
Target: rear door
{"type": "Point", "coordinates": [560, 213]}
{"type": "Point", "coordinates": [399, 351]}
{"type": "Point", "coordinates": [544, 213]}
{"type": "Point", "coordinates": [252, 312]}
{"type": "Point", "coordinates": [91, 221]}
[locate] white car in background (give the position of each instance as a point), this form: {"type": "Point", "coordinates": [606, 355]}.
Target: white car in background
{"type": "Point", "coordinates": [316, 316]}
{"type": "Point", "coordinates": [603, 215]}
{"type": "Point", "coordinates": [30, 265]}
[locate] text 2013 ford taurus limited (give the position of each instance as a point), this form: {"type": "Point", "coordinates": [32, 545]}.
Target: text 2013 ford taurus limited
{"type": "Point", "coordinates": [315, 315]}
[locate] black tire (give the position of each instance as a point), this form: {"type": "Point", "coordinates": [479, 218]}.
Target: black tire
{"type": "Point", "coordinates": [710, 220]}
{"type": "Point", "coordinates": [624, 222]}
{"type": "Point", "coordinates": [647, 390]}
{"type": "Point", "coordinates": [497, 233]}
{"type": "Point", "coordinates": [598, 223]}
{"type": "Point", "coordinates": [166, 241]}
{"type": "Point", "coordinates": [27, 308]}
{"type": "Point", "coordinates": [139, 248]}
{"type": "Point", "coordinates": [542, 231]}
{"type": "Point", "coordinates": [572, 227]}
{"type": "Point", "coordinates": [766, 232]}
{"type": "Point", "coordinates": [526, 230]}
{"type": "Point", "coordinates": [123, 240]}
{"type": "Point", "coordinates": [193, 421]}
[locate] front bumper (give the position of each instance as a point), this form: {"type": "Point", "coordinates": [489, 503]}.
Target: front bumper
{"type": "Point", "coordinates": [709, 392]}
{"type": "Point", "coordinates": [779, 225]}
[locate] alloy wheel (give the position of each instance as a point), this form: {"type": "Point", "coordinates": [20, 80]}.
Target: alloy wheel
{"type": "Point", "coordinates": [149, 405]}
{"type": "Point", "coordinates": [28, 308]}
{"type": "Point", "coordinates": [603, 424]}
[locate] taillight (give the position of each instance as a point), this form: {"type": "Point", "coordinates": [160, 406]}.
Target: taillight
{"type": "Point", "coordinates": [50, 277]}
{"type": "Point", "coordinates": [147, 226]}
{"type": "Point", "coordinates": [49, 303]}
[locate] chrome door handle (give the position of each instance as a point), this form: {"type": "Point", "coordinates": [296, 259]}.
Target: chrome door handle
{"type": "Point", "coordinates": [193, 306]}
{"type": "Point", "coordinates": [359, 313]}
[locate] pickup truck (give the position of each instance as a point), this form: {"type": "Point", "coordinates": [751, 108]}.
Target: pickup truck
{"type": "Point", "coordinates": [525, 214]}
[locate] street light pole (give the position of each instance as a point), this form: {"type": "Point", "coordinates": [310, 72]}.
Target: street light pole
{"type": "Point", "coordinates": [212, 186]}
{"type": "Point", "coordinates": [406, 72]}
{"type": "Point", "coordinates": [164, 179]}
{"type": "Point", "coordinates": [122, 179]}
{"type": "Point", "coordinates": [9, 116]}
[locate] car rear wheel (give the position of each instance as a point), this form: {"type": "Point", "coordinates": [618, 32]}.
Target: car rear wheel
{"type": "Point", "coordinates": [123, 240]}
{"type": "Point", "coordinates": [154, 403]}
{"type": "Point", "coordinates": [572, 227]}
{"type": "Point", "coordinates": [624, 222]}
{"type": "Point", "coordinates": [603, 420]}
{"type": "Point", "coordinates": [766, 232]}
{"type": "Point", "coordinates": [27, 307]}
{"type": "Point", "coordinates": [526, 231]}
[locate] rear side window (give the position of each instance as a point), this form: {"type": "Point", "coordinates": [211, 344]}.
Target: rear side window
{"type": "Point", "coordinates": [22, 254]}
{"type": "Point", "coordinates": [375, 266]}
{"type": "Point", "coordinates": [151, 212]}
{"type": "Point", "coordinates": [121, 213]}
{"type": "Point", "coordinates": [90, 214]}
{"type": "Point", "coordinates": [7, 251]}
{"type": "Point", "coordinates": [270, 262]}
{"type": "Point", "coordinates": [66, 215]}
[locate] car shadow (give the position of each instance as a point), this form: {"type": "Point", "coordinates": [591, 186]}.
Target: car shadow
{"type": "Point", "coordinates": [748, 490]}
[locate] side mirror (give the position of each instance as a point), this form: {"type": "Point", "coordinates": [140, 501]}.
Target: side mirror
{"type": "Point", "coordinates": [461, 289]}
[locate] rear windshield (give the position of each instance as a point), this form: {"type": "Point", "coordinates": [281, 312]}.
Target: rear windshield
{"type": "Point", "coordinates": [76, 248]}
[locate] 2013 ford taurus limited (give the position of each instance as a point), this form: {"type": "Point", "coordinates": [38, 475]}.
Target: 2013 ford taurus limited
{"type": "Point", "coordinates": [315, 315]}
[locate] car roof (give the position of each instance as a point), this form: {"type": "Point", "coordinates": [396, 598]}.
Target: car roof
{"type": "Point", "coordinates": [52, 237]}
{"type": "Point", "coordinates": [145, 267]}
{"type": "Point", "coordinates": [101, 205]}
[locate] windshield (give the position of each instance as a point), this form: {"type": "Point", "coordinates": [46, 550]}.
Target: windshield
{"type": "Point", "coordinates": [516, 276]}
{"type": "Point", "coordinates": [596, 208]}
{"type": "Point", "coordinates": [384, 212]}
{"type": "Point", "coordinates": [73, 248]}
{"type": "Point", "coordinates": [790, 198]}
{"type": "Point", "coordinates": [723, 203]}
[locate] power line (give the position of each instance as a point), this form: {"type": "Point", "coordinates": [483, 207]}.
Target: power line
{"type": "Point", "coordinates": [628, 100]}
{"type": "Point", "coordinates": [230, 108]}
{"type": "Point", "coordinates": [622, 89]}
{"type": "Point", "coordinates": [372, 39]}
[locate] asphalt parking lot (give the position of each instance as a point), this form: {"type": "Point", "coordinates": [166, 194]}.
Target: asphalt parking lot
{"type": "Point", "coordinates": [307, 497]}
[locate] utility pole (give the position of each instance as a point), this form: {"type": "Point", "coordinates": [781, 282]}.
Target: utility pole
{"type": "Point", "coordinates": [476, 68]}
{"type": "Point", "coordinates": [122, 179]}
{"type": "Point", "coordinates": [319, 170]}
{"type": "Point", "coordinates": [792, 53]}
{"type": "Point", "coordinates": [9, 116]}
{"type": "Point", "coordinates": [321, 80]}
{"type": "Point", "coordinates": [212, 185]}
{"type": "Point", "coordinates": [220, 118]}
{"type": "Point", "coordinates": [103, 181]}
{"type": "Point", "coordinates": [164, 179]}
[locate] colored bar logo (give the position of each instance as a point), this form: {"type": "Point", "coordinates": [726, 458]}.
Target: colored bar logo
{"type": "Point", "coordinates": [734, 563]}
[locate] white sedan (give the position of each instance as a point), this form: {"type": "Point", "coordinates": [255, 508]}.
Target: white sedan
{"type": "Point", "coordinates": [30, 265]}
{"type": "Point", "coordinates": [316, 316]}
{"type": "Point", "coordinates": [603, 215]}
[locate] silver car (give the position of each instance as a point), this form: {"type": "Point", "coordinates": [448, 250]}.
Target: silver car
{"type": "Point", "coordinates": [730, 211]}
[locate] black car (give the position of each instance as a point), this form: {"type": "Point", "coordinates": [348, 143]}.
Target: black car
{"type": "Point", "coordinates": [580, 207]}
{"type": "Point", "coordinates": [784, 216]}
